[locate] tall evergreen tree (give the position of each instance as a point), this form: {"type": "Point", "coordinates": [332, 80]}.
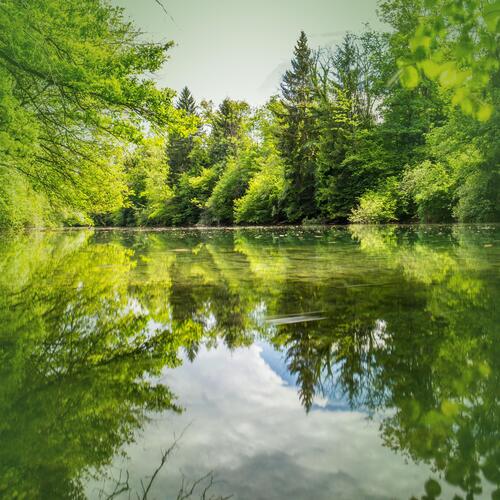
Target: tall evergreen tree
{"type": "Point", "coordinates": [297, 131]}
{"type": "Point", "coordinates": [227, 129]}
{"type": "Point", "coordinates": [350, 156]}
{"type": "Point", "coordinates": [187, 102]}
{"type": "Point", "coordinates": [180, 146]}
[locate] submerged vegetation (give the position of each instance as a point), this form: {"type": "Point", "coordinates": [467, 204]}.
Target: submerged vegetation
{"type": "Point", "coordinates": [384, 127]}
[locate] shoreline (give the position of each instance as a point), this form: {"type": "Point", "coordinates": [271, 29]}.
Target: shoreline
{"type": "Point", "coordinates": [235, 228]}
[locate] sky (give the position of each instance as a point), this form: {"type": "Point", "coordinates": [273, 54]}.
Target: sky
{"type": "Point", "coordinates": [241, 48]}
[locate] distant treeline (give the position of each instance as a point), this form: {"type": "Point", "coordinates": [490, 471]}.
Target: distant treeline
{"type": "Point", "coordinates": [384, 127]}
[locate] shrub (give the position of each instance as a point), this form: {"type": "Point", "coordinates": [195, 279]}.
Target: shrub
{"type": "Point", "coordinates": [377, 206]}
{"type": "Point", "coordinates": [478, 198]}
{"type": "Point", "coordinates": [231, 186]}
{"type": "Point", "coordinates": [431, 186]}
{"type": "Point", "coordinates": [186, 206]}
{"type": "Point", "coordinates": [260, 204]}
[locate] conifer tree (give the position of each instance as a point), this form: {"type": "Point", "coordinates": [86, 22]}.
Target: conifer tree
{"type": "Point", "coordinates": [228, 126]}
{"type": "Point", "coordinates": [180, 146]}
{"type": "Point", "coordinates": [297, 130]}
{"type": "Point", "coordinates": [186, 102]}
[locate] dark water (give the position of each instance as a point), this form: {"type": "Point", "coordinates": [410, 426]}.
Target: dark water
{"type": "Point", "coordinates": [326, 363]}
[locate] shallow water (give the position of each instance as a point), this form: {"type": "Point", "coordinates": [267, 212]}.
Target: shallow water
{"type": "Point", "coordinates": [285, 363]}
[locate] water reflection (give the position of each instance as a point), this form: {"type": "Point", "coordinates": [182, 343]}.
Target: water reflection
{"type": "Point", "coordinates": [399, 325]}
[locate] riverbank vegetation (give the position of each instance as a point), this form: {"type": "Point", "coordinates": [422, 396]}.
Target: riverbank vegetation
{"type": "Point", "coordinates": [387, 126]}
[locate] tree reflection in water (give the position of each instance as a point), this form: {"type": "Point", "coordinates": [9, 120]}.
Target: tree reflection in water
{"type": "Point", "coordinates": [407, 330]}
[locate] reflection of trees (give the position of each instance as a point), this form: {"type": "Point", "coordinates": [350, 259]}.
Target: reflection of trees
{"type": "Point", "coordinates": [77, 356]}
{"type": "Point", "coordinates": [426, 349]}
{"type": "Point", "coordinates": [88, 321]}
{"type": "Point", "coordinates": [409, 327]}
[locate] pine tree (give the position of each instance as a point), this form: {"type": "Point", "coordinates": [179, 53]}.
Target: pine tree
{"type": "Point", "coordinates": [350, 156]}
{"type": "Point", "coordinates": [179, 146]}
{"type": "Point", "coordinates": [186, 102]}
{"type": "Point", "coordinates": [296, 141]}
{"type": "Point", "coordinates": [228, 124]}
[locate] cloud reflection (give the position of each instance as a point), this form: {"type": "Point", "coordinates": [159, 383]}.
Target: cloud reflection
{"type": "Point", "coordinates": [246, 424]}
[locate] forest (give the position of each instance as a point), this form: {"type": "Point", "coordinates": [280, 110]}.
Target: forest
{"type": "Point", "coordinates": [395, 126]}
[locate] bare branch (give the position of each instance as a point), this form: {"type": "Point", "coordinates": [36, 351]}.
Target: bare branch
{"type": "Point", "coordinates": [166, 11]}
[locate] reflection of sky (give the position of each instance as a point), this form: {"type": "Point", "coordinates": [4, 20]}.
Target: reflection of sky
{"type": "Point", "coordinates": [247, 425]}
{"type": "Point", "coordinates": [275, 360]}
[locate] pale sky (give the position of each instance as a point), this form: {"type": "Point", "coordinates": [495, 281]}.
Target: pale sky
{"type": "Point", "coordinates": [241, 48]}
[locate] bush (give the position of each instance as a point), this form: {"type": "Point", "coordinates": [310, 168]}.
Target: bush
{"type": "Point", "coordinates": [432, 187]}
{"type": "Point", "coordinates": [260, 204]}
{"type": "Point", "coordinates": [378, 206]}
{"type": "Point", "coordinates": [21, 206]}
{"type": "Point", "coordinates": [231, 186]}
{"type": "Point", "coordinates": [478, 198]}
{"type": "Point", "coordinates": [190, 196]}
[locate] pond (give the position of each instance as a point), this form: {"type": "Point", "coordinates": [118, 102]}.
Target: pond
{"type": "Point", "coordinates": [281, 363]}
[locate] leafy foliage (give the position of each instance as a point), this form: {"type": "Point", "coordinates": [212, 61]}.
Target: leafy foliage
{"type": "Point", "coordinates": [72, 93]}
{"type": "Point", "coordinates": [378, 206]}
{"type": "Point", "coordinates": [87, 138]}
{"type": "Point", "coordinates": [231, 186]}
{"type": "Point", "coordinates": [297, 133]}
{"type": "Point", "coordinates": [456, 44]}
{"type": "Point", "coordinates": [262, 201]}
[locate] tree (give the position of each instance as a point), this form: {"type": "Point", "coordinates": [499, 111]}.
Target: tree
{"type": "Point", "coordinates": [228, 126]}
{"type": "Point", "coordinates": [349, 90]}
{"type": "Point", "coordinates": [186, 102]}
{"type": "Point", "coordinates": [261, 202]}
{"type": "Point", "coordinates": [297, 133]}
{"type": "Point", "coordinates": [335, 190]}
{"type": "Point", "coordinates": [358, 66]}
{"type": "Point", "coordinates": [456, 44]}
{"type": "Point", "coordinates": [181, 140]}
{"type": "Point", "coordinates": [444, 51]}
{"type": "Point", "coordinates": [71, 94]}
{"type": "Point", "coordinates": [232, 184]}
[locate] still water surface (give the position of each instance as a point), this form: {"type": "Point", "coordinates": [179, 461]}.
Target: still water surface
{"type": "Point", "coordinates": [291, 363]}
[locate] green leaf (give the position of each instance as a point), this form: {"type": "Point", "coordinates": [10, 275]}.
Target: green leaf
{"type": "Point", "coordinates": [484, 113]}
{"type": "Point", "coordinates": [449, 408]}
{"type": "Point", "coordinates": [431, 69]}
{"type": "Point", "coordinates": [409, 77]}
{"type": "Point", "coordinates": [422, 41]}
{"type": "Point", "coordinates": [467, 106]}
{"type": "Point", "coordinates": [459, 96]}
{"type": "Point", "coordinates": [448, 78]}
{"type": "Point", "coordinates": [492, 16]}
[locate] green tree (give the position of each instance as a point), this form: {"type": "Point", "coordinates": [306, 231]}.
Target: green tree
{"type": "Point", "coordinates": [147, 174]}
{"type": "Point", "coordinates": [228, 125]}
{"type": "Point", "coordinates": [460, 180]}
{"type": "Point", "coordinates": [186, 102]}
{"type": "Point", "coordinates": [297, 134]}
{"type": "Point", "coordinates": [70, 94]}
{"type": "Point", "coordinates": [232, 184]}
{"type": "Point", "coordinates": [182, 139]}
{"type": "Point", "coordinates": [261, 202]}
{"type": "Point", "coordinates": [351, 158]}
{"type": "Point", "coordinates": [456, 44]}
